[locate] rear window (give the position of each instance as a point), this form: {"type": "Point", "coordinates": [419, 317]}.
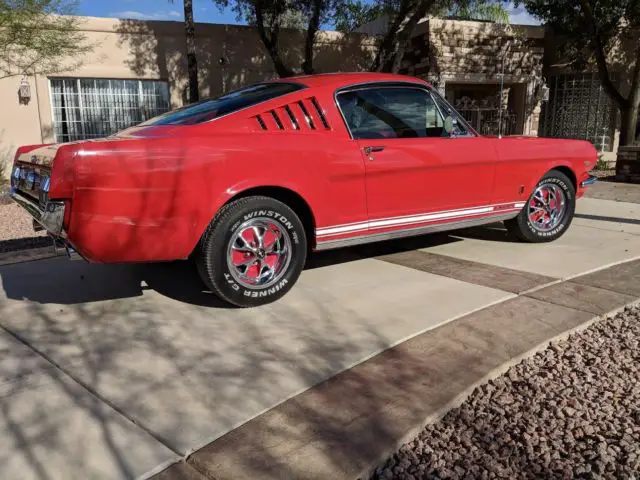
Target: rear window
{"type": "Point", "coordinates": [211, 108]}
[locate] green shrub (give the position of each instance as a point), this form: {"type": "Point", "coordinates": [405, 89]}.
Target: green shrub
{"type": "Point", "coordinates": [601, 164]}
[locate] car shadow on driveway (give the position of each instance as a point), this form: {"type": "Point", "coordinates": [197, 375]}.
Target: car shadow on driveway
{"type": "Point", "coordinates": [63, 282]}
{"type": "Point", "coordinates": [372, 250]}
{"type": "Point", "coordinates": [60, 281]}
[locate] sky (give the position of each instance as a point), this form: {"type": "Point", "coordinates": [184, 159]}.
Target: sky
{"type": "Point", "coordinates": [203, 11]}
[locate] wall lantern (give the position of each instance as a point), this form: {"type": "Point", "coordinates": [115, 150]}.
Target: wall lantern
{"type": "Point", "coordinates": [24, 92]}
{"type": "Point", "coordinates": [543, 90]}
{"type": "Point", "coordinates": [544, 93]}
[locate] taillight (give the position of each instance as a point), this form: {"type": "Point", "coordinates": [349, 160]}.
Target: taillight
{"type": "Point", "coordinates": [26, 149]}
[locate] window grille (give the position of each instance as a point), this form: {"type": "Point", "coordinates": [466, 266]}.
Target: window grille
{"type": "Point", "coordinates": [94, 107]}
{"type": "Point", "coordinates": [579, 108]}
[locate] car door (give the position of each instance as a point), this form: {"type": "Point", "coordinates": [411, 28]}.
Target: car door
{"type": "Point", "coordinates": [413, 166]}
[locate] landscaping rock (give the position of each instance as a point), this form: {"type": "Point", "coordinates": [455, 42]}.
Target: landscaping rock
{"type": "Point", "coordinates": [570, 411]}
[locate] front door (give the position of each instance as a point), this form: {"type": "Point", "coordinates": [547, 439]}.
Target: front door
{"type": "Point", "coordinates": [414, 168]}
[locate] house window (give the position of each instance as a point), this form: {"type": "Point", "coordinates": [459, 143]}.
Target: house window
{"type": "Point", "coordinates": [94, 107]}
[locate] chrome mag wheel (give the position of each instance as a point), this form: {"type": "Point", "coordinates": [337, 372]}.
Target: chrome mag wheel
{"type": "Point", "coordinates": [259, 253]}
{"type": "Point", "coordinates": [547, 207]}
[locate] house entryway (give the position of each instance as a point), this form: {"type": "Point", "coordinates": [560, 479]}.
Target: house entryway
{"type": "Point", "coordinates": [487, 109]}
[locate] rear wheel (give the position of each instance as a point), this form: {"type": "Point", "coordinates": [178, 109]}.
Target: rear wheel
{"type": "Point", "coordinates": [548, 212]}
{"type": "Point", "coordinates": [253, 251]}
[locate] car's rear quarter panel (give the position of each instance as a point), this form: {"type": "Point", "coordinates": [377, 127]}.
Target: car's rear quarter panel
{"type": "Point", "coordinates": [150, 200]}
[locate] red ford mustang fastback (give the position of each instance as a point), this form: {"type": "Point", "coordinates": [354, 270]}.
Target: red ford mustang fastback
{"type": "Point", "coordinates": [250, 182]}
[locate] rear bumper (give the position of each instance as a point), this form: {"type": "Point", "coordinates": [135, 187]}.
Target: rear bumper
{"type": "Point", "coordinates": [51, 217]}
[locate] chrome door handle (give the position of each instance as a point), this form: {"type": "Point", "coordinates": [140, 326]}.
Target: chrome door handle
{"type": "Point", "coordinates": [370, 150]}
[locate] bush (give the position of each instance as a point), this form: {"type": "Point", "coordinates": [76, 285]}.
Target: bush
{"type": "Point", "coordinates": [601, 164]}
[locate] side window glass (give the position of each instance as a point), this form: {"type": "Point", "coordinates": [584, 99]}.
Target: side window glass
{"type": "Point", "coordinates": [458, 127]}
{"type": "Point", "coordinates": [394, 112]}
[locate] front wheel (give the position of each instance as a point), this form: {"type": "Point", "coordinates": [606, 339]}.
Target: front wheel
{"type": "Point", "coordinates": [548, 212]}
{"type": "Point", "coordinates": [253, 251]}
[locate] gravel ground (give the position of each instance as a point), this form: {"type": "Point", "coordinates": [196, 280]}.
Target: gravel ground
{"type": "Point", "coordinates": [570, 411]}
{"type": "Point", "coordinates": [16, 230]}
{"type": "Point", "coordinates": [4, 192]}
{"type": "Point", "coordinates": [603, 174]}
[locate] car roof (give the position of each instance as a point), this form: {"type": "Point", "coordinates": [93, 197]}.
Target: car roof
{"type": "Point", "coordinates": [338, 80]}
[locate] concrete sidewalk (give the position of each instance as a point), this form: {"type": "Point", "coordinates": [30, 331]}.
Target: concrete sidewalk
{"type": "Point", "coordinates": [348, 425]}
{"type": "Point", "coordinates": [134, 366]}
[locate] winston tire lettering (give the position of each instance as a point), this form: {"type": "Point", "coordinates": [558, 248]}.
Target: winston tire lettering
{"type": "Point", "coordinates": [267, 291]}
{"type": "Point", "coordinates": [271, 214]}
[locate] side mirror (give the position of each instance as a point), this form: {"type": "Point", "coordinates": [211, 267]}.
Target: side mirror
{"type": "Point", "coordinates": [449, 125]}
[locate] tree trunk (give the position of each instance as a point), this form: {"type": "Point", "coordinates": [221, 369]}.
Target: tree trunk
{"type": "Point", "coordinates": [270, 41]}
{"type": "Point", "coordinates": [629, 123]}
{"type": "Point", "coordinates": [393, 45]}
{"type": "Point", "coordinates": [192, 61]}
{"type": "Point", "coordinates": [312, 30]}
{"type": "Point", "coordinates": [387, 48]}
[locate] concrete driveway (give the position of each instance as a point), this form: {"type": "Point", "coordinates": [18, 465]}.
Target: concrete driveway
{"type": "Point", "coordinates": [115, 371]}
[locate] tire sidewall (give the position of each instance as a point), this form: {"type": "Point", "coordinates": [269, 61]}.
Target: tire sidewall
{"type": "Point", "coordinates": [219, 270]}
{"type": "Point", "coordinates": [567, 188]}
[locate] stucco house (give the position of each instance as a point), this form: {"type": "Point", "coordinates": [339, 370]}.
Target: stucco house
{"type": "Point", "coordinates": [504, 79]}
{"type": "Point", "coordinates": [138, 69]}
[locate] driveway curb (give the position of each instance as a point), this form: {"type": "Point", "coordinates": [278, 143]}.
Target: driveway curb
{"type": "Point", "coordinates": [348, 425]}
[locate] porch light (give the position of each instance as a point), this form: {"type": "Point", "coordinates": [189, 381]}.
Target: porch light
{"type": "Point", "coordinates": [24, 92]}
{"type": "Point", "coordinates": [543, 89]}
{"type": "Point", "coordinates": [544, 93]}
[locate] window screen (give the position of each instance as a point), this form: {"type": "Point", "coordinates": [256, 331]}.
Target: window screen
{"type": "Point", "coordinates": [93, 108]}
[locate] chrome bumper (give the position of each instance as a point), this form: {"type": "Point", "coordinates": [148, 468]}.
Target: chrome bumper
{"type": "Point", "coordinates": [51, 217]}
{"type": "Point", "coordinates": [589, 181]}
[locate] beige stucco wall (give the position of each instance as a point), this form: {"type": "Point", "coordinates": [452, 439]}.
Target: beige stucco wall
{"type": "Point", "coordinates": [18, 123]}
{"type": "Point", "coordinates": [132, 49]}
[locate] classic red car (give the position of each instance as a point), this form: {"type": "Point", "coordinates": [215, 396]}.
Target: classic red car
{"type": "Point", "coordinates": [250, 182]}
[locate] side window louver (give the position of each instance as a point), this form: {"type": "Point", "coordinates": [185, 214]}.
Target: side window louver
{"type": "Point", "coordinates": [276, 119]}
{"type": "Point", "coordinates": [320, 113]}
{"type": "Point", "coordinates": [290, 117]}
{"type": "Point", "coordinates": [306, 115]}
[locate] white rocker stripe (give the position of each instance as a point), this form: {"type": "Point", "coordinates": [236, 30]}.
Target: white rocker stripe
{"type": "Point", "coordinates": [432, 216]}
{"type": "Point", "coordinates": [412, 219]}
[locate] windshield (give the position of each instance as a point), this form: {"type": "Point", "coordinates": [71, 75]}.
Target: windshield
{"type": "Point", "coordinates": [211, 108]}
